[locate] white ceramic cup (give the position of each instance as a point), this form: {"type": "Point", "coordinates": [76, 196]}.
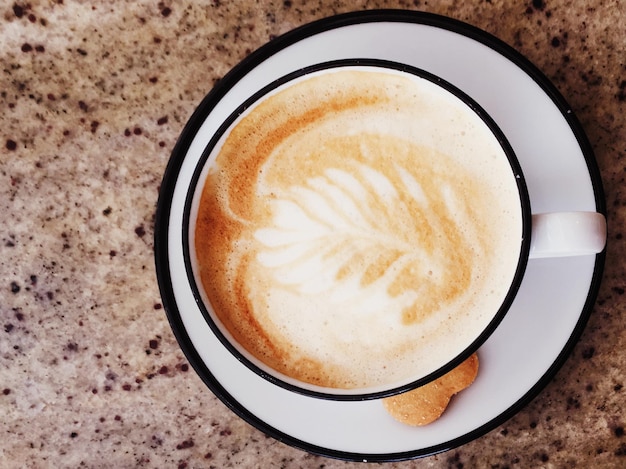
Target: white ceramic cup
{"type": "Point", "coordinates": [542, 235]}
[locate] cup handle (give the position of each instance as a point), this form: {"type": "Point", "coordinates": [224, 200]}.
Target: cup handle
{"type": "Point", "coordinates": [562, 234]}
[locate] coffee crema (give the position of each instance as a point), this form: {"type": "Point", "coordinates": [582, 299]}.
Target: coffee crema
{"type": "Point", "coordinates": [357, 228]}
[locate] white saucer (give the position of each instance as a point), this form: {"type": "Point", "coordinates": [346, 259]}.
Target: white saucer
{"type": "Point", "coordinates": [556, 295]}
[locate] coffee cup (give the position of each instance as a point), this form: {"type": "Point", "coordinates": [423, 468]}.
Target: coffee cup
{"type": "Point", "coordinates": [358, 228]}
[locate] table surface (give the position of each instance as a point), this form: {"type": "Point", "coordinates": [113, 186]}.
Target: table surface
{"type": "Point", "coordinates": [93, 96]}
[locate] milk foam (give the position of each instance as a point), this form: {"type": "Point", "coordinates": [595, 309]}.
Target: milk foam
{"type": "Point", "coordinates": [372, 235]}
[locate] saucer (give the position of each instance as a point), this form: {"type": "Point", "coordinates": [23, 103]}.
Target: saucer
{"type": "Point", "coordinates": [556, 295]}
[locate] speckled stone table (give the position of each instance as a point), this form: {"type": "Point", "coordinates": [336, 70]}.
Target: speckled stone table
{"type": "Point", "coordinates": [93, 96]}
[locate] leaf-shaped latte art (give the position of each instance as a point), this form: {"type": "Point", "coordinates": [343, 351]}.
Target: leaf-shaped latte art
{"type": "Point", "coordinates": [366, 235]}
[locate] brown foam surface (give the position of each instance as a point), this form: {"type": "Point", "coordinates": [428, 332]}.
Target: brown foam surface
{"type": "Point", "coordinates": [341, 246]}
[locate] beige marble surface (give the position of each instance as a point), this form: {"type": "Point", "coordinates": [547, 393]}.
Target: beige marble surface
{"type": "Point", "coordinates": [93, 95]}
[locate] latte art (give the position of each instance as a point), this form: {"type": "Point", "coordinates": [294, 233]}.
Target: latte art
{"type": "Point", "coordinates": [358, 228]}
{"type": "Point", "coordinates": [373, 239]}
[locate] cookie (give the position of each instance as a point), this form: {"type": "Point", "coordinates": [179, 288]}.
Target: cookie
{"type": "Point", "coordinates": [427, 403]}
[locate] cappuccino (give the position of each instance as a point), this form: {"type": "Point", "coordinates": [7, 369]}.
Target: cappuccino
{"type": "Point", "coordinates": [357, 227]}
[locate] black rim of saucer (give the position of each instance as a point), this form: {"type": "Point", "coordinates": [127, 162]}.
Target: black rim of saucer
{"type": "Point", "coordinates": [178, 155]}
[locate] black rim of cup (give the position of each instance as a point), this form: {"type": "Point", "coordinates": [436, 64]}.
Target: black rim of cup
{"type": "Point", "coordinates": [342, 395]}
